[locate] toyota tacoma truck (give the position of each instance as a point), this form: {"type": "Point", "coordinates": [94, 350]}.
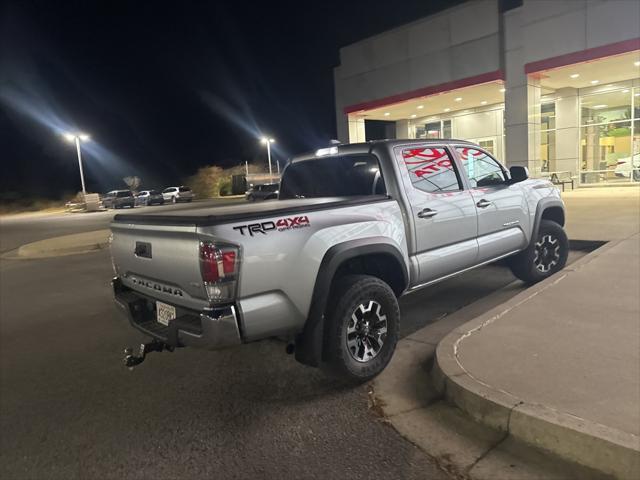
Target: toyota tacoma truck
{"type": "Point", "coordinates": [354, 228]}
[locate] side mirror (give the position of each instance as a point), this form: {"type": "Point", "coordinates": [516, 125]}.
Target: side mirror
{"type": "Point", "coordinates": [518, 174]}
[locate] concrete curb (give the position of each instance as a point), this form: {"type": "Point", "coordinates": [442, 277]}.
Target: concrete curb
{"type": "Point", "coordinates": [65, 245]}
{"type": "Point", "coordinates": [569, 437]}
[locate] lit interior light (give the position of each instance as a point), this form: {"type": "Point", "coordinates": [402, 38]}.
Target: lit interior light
{"type": "Point", "coordinates": [413, 116]}
{"type": "Point", "coordinates": [386, 114]}
{"type": "Point", "coordinates": [458, 99]}
{"type": "Point", "coordinates": [502, 90]}
{"type": "Point", "coordinates": [595, 82]}
{"type": "Point", "coordinates": [447, 109]}
{"type": "Point", "coordinates": [574, 75]}
{"type": "Point", "coordinates": [420, 107]}
{"type": "Point", "coordinates": [626, 90]}
{"type": "Point", "coordinates": [598, 107]}
{"type": "Point", "coordinates": [483, 102]}
{"type": "Point", "coordinates": [637, 64]}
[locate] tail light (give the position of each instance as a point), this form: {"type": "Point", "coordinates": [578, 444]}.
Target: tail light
{"type": "Point", "coordinates": [219, 268]}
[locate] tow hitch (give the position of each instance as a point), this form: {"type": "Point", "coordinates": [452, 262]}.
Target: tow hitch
{"type": "Point", "coordinates": [131, 360]}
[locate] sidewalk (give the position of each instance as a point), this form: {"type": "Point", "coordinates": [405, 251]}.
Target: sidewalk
{"type": "Point", "coordinates": [73, 244]}
{"type": "Point", "coordinates": [558, 366]}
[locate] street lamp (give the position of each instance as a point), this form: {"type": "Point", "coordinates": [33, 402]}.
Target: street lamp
{"type": "Point", "coordinates": [268, 141]}
{"type": "Point", "coordinates": [77, 138]}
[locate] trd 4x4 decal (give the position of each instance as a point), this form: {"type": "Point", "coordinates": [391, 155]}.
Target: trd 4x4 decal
{"type": "Point", "coordinates": [280, 225]}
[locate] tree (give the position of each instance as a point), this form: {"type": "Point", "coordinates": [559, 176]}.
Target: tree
{"type": "Point", "coordinates": [213, 181]}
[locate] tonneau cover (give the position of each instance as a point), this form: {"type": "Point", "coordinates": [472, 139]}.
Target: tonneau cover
{"type": "Point", "coordinates": [211, 215]}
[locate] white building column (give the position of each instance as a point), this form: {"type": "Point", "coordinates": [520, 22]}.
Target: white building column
{"type": "Point", "coordinates": [567, 130]}
{"type": "Point", "coordinates": [522, 124]}
{"type": "Point", "coordinates": [356, 129]}
{"type": "Point", "coordinates": [521, 101]}
{"type": "Point", "coordinates": [402, 129]}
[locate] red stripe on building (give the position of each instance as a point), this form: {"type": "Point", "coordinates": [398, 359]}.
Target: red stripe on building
{"type": "Point", "coordinates": [425, 91]}
{"type": "Point", "coordinates": [589, 54]}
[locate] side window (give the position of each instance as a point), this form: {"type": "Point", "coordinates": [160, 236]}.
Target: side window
{"type": "Point", "coordinates": [431, 169]}
{"type": "Point", "coordinates": [482, 170]}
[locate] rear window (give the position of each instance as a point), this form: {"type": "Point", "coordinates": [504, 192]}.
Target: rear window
{"type": "Point", "coordinates": [170, 189]}
{"type": "Point", "coordinates": [123, 193]}
{"type": "Point", "coordinates": [270, 188]}
{"type": "Point", "coordinates": [339, 176]}
{"type": "Point", "coordinates": [154, 192]}
{"type": "Point", "coordinates": [184, 189]}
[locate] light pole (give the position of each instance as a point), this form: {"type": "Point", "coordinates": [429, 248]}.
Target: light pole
{"type": "Point", "coordinates": [268, 141]}
{"type": "Point", "coordinates": [77, 138]}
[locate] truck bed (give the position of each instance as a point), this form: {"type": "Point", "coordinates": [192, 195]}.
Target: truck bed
{"type": "Point", "coordinates": [212, 215]}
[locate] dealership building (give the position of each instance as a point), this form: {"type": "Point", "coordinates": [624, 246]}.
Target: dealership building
{"type": "Point", "coordinates": [553, 85]}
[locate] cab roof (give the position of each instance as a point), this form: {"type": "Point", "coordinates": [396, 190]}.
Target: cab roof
{"type": "Point", "coordinates": [368, 147]}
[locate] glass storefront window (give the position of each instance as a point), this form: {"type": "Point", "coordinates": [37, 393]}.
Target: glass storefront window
{"type": "Point", "coordinates": [548, 136]}
{"type": "Point", "coordinates": [435, 129]}
{"type": "Point", "coordinates": [602, 147]}
{"type": "Point", "coordinates": [548, 116]}
{"type": "Point", "coordinates": [488, 145]}
{"type": "Point", "coordinates": [607, 137]}
{"type": "Point", "coordinates": [446, 129]}
{"type": "Point", "coordinates": [606, 107]}
{"type": "Point", "coordinates": [548, 150]}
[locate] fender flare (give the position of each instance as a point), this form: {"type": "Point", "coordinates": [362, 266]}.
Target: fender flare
{"type": "Point", "coordinates": [309, 344]}
{"type": "Point", "coordinates": [545, 204]}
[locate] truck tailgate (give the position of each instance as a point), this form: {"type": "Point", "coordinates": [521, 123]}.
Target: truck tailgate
{"type": "Point", "coordinates": [161, 261]}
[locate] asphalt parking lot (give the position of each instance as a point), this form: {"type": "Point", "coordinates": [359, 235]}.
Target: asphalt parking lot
{"type": "Point", "coordinates": [69, 408]}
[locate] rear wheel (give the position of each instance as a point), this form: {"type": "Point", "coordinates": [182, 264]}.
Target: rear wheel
{"type": "Point", "coordinates": [546, 255]}
{"type": "Point", "coordinates": [362, 329]}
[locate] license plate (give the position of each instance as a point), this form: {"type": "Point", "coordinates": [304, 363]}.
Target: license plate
{"type": "Point", "coordinates": [165, 313]}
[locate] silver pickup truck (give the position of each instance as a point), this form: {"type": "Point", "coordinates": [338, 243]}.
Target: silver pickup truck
{"type": "Point", "coordinates": [355, 227]}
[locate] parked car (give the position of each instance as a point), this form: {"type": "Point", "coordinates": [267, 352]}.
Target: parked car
{"type": "Point", "coordinates": [177, 194]}
{"type": "Point", "coordinates": [149, 197]}
{"type": "Point", "coordinates": [267, 191]}
{"type": "Point", "coordinates": [629, 166]}
{"type": "Point", "coordinates": [354, 228]}
{"type": "Point", "coordinates": [118, 199]}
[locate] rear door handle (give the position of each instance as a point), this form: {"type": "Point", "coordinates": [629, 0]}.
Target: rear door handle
{"type": "Point", "coordinates": [427, 213]}
{"type": "Point", "coordinates": [483, 203]}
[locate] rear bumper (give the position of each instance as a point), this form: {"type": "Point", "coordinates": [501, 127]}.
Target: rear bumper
{"type": "Point", "coordinates": [210, 329]}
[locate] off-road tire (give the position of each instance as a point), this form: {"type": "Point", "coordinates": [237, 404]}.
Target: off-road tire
{"type": "Point", "coordinates": [523, 265]}
{"type": "Point", "coordinates": [349, 293]}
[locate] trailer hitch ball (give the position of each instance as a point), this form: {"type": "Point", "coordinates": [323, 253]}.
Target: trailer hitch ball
{"type": "Point", "coordinates": [131, 360]}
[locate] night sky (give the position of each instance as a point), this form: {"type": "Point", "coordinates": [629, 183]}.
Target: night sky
{"type": "Point", "coordinates": [166, 87]}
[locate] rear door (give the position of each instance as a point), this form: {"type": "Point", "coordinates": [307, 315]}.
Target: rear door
{"type": "Point", "coordinates": [501, 208]}
{"type": "Point", "coordinates": [443, 212]}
